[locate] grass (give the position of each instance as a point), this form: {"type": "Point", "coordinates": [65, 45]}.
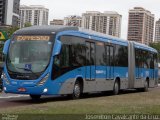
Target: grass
{"type": "Point", "coordinates": [130, 103]}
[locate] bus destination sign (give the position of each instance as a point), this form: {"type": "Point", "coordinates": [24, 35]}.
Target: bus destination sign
{"type": "Point", "coordinates": [45, 38]}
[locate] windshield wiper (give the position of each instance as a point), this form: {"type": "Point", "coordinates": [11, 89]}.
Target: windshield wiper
{"type": "Point", "coordinates": [26, 69]}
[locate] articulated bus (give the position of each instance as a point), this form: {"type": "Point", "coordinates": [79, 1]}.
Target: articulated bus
{"type": "Point", "coordinates": [62, 60]}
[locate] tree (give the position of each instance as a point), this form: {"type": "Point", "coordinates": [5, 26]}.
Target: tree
{"type": "Point", "coordinates": [11, 30]}
{"type": "Point", "coordinates": [156, 46]}
{"type": "Point", "coordinates": [27, 24]}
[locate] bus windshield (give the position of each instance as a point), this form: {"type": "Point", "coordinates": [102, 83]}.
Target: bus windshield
{"type": "Point", "coordinates": [29, 56]}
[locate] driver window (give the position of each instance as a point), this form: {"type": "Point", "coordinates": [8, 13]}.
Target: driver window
{"type": "Point", "coordinates": [57, 61]}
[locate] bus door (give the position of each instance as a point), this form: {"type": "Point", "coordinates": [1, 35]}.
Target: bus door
{"type": "Point", "coordinates": [110, 62]}
{"type": "Point", "coordinates": [90, 61]}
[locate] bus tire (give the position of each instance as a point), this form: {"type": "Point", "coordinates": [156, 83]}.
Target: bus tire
{"type": "Point", "coordinates": [116, 88]}
{"type": "Point", "coordinates": [77, 90]}
{"type": "Point", "coordinates": [35, 97]}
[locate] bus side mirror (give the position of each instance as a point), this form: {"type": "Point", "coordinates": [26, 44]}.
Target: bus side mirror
{"type": "Point", "coordinates": [6, 47]}
{"type": "Point", "coordinates": [57, 47]}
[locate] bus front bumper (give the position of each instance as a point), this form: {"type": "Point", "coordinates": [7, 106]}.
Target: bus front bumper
{"type": "Point", "coordinates": [36, 90]}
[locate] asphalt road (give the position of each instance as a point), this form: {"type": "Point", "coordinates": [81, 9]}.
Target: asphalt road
{"type": "Point", "coordinates": [11, 100]}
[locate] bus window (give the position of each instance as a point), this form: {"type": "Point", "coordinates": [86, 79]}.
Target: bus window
{"type": "Point", "coordinates": [155, 61]}
{"type": "Point", "coordinates": [57, 62]}
{"type": "Point", "coordinates": [92, 53]}
{"type": "Point", "coordinates": [64, 58]}
{"type": "Point", "coordinates": [145, 59]}
{"type": "Point", "coordinates": [77, 55]}
{"type": "Point", "coordinates": [100, 54]}
{"type": "Point", "coordinates": [61, 62]}
{"type": "Point", "coordinates": [71, 56]}
{"type": "Point", "coordinates": [152, 61]}
{"type": "Point", "coordinates": [88, 53]}
{"type": "Point", "coordinates": [138, 58]}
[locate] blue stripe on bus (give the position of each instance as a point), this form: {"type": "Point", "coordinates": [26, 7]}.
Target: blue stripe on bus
{"type": "Point", "coordinates": [146, 72]}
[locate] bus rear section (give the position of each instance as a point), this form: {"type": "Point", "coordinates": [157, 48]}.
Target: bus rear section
{"type": "Point", "coordinates": [143, 68]}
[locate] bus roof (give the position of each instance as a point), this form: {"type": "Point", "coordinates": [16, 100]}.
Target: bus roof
{"type": "Point", "coordinates": [101, 35]}
{"type": "Point", "coordinates": [44, 29]}
{"type": "Point", "coordinates": [52, 29]}
{"type": "Point", "coordinates": [48, 29]}
{"type": "Point", "coordinates": [144, 47]}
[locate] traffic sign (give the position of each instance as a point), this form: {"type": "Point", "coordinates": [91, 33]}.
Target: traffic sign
{"type": "Point", "coordinates": [1, 36]}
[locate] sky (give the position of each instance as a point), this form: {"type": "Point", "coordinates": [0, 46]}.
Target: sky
{"type": "Point", "coordinates": [58, 9]}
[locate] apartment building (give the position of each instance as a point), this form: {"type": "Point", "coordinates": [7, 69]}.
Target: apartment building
{"type": "Point", "coordinates": [140, 25]}
{"type": "Point", "coordinates": [157, 31]}
{"type": "Point", "coordinates": [34, 14]}
{"type": "Point", "coordinates": [108, 22]}
{"type": "Point", "coordinates": [9, 12]}
{"type": "Point", "coordinates": [73, 20]}
{"type": "Point", "coordinates": [57, 22]}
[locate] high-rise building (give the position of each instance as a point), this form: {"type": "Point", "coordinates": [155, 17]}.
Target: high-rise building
{"type": "Point", "coordinates": [9, 12]}
{"type": "Point", "coordinates": [157, 31]}
{"type": "Point", "coordinates": [73, 20]}
{"type": "Point", "coordinates": [140, 25]}
{"type": "Point", "coordinates": [108, 22]}
{"type": "Point", "coordinates": [33, 14]}
{"type": "Point", "coordinates": [57, 22]}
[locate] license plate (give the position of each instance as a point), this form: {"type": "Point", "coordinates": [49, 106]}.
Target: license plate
{"type": "Point", "coordinates": [22, 90]}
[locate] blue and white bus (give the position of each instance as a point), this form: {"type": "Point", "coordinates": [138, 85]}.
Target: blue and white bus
{"type": "Point", "coordinates": [62, 60]}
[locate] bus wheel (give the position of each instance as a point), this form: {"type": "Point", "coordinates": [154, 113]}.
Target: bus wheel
{"type": "Point", "coordinates": [76, 90]}
{"type": "Point", "coordinates": [35, 97]}
{"type": "Point", "coordinates": [116, 88]}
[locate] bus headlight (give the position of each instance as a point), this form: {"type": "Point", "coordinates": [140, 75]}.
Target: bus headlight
{"type": "Point", "coordinates": [4, 77]}
{"type": "Point", "coordinates": [43, 80]}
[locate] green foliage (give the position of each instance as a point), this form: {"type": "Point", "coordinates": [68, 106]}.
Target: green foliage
{"type": "Point", "coordinates": [7, 32]}
{"type": "Point", "coordinates": [11, 30]}
{"type": "Point", "coordinates": [157, 47]}
{"type": "Point", "coordinates": [27, 24]}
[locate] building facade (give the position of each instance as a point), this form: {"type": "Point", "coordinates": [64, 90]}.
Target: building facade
{"type": "Point", "coordinates": [108, 22]}
{"type": "Point", "coordinates": [73, 20]}
{"type": "Point", "coordinates": [140, 25]}
{"type": "Point", "coordinates": [9, 12]}
{"type": "Point", "coordinates": [57, 22]}
{"type": "Point", "coordinates": [157, 32]}
{"type": "Point", "coordinates": [33, 14]}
